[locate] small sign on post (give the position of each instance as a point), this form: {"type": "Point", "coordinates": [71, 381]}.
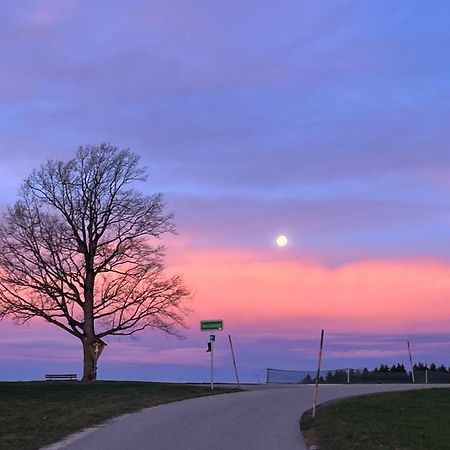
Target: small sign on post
{"type": "Point", "coordinates": [211, 325]}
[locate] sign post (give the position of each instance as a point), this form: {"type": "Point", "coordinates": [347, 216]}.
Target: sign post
{"type": "Point", "coordinates": [212, 339]}
{"type": "Point", "coordinates": [211, 325]}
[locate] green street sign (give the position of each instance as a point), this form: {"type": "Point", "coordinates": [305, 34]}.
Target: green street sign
{"type": "Point", "coordinates": [208, 325]}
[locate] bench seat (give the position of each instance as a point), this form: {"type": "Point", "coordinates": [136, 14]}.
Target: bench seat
{"type": "Point", "coordinates": [60, 376]}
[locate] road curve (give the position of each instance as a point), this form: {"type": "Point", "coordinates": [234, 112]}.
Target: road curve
{"type": "Point", "coordinates": [263, 418]}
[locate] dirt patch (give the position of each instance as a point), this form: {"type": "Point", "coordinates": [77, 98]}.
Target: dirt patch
{"type": "Point", "coordinates": [310, 438]}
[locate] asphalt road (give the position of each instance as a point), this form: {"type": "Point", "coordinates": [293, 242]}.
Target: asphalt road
{"type": "Point", "coordinates": [263, 418]}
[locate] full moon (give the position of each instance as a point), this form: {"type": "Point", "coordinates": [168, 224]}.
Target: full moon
{"type": "Point", "coordinates": [282, 241]}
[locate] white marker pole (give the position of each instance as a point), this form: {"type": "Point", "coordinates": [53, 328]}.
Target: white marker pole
{"type": "Point", "coordinates": [410, 361]}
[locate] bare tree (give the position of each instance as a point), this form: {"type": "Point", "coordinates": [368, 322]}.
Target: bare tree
{"type": "Point", "coordinates": [78, 250]}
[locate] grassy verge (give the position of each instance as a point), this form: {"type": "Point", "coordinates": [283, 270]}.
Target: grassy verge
{"type": "Point", "coordinates": [33, 414]}
{"type": "Point", "coordinates": [398, 420]}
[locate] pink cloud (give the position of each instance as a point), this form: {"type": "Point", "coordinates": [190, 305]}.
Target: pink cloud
{"type": "Point", "coordinates": [132, 353]}
{"type": "Point", "coordinates": [271, 302]}
{"type": "Point", "coordinates": [380, 354]}
{"type": "Point", "coordinates": [370, 296]}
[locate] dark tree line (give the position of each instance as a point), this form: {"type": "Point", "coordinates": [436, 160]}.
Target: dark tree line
{"type": "Point", "coordinates": [398, 368]}
{"type": "Point", "coordinates": [384, 373]}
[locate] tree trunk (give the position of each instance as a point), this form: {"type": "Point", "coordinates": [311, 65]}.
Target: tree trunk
{"type": "Point", "coordinates": [89, 363]}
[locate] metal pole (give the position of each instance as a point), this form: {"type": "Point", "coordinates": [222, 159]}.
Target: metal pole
{"type": "Point", "coordinates": [234, 361]}
{"type": "Point", "coordinates": [410, 361]}
{"type": "Point", "coordinates": [316, 387]}
{"type": "Point", "coordinates": [348, 375]}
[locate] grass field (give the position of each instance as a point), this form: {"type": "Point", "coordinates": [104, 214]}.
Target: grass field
{"type": "Point", "coordinates": [413, 420]}
{"type": "Point", "coordinates": [33, 414]}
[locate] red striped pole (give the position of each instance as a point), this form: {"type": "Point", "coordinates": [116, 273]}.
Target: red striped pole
{"type": "Point", "coordinates": [410, 361]}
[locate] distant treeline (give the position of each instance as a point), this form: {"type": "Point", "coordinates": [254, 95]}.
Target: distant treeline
{"type": "Point", "coordinates": [417, 367]}
{"type": "Point", "coordinates": [396, 373]}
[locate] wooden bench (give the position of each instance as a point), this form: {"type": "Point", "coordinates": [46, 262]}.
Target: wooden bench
{"type": "Point", "coordinates": [60, 376]}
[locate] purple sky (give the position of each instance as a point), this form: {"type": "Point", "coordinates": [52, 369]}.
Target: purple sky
{"type": "Point", "coordinates": [327, 121]}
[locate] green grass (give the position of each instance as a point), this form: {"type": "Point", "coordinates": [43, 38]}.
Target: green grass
{"type": "Point", "coordinates": [414, 420]}
{"type": "Point", "coordinates": [33, 414]}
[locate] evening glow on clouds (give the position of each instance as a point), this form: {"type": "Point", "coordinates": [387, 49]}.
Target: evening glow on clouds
{"type": "Point", "coordinates": [327, 121]}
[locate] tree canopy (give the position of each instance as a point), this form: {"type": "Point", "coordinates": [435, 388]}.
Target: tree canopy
{"type": "Point", "coordinates": [81, 249]}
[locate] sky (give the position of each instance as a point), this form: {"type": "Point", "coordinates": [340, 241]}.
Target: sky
{"type": "Point", "coordinates": [326, 121]}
